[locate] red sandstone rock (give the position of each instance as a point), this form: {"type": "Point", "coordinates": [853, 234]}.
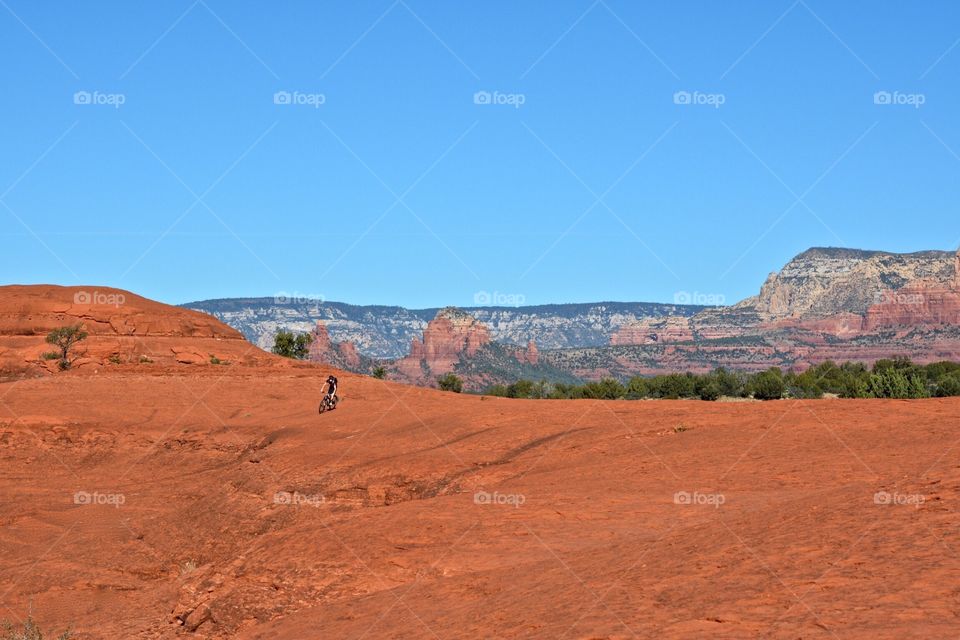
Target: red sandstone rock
{"type": "Point", "coordinates": [452, 334]}
{"type": "Point", "coordinates": [123, 329]}
{"type": "Point", "coordinates": [654, 331]}
{"type": "Point", "coordinates": [338, 354]}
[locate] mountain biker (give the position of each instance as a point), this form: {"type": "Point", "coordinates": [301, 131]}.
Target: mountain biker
{"type": "Point", "coordinates": [331, 390]}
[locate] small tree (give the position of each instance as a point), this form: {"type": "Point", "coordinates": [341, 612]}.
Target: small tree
{"type": "Point", "coordinates": [291, 345]}
{"type": "Point", "coordinates": [768, 385]}
{"type": "Point", "coordinates": [64, 339]}
{"type": "Point", "coordinates": [450, 382]}
{"type": "Point", "coordinates": [379, 372]}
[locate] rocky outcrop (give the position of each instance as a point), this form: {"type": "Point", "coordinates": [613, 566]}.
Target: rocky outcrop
{"type": "Point", "coordinates": [822, 282]}
{"type": "Point", "coordinates": [123, 329]}
{"type": "Point", "coordinates": [452, 335]}
{"type": "Point", "coordinates": [532, 354]}
{"type": "Point", "coordinates": [343, 355]}
{"type": "Point", "coordinates": [654, 331]}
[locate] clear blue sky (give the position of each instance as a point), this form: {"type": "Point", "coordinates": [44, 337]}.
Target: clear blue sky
{"type": "Point", "coordinates": [400, 189]}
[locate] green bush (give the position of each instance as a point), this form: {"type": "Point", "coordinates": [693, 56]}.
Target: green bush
{"type": "Point", "coordinates": [892, 382]}
{"type": "Point", "coordinates": [65, 339]}
{"type": "Point", "coordinates": [637, 388]}
{"type": "Point", "coordinates": [673, 386]}
{"type": "Point", "coordinates": [708, 389]}
{"type": "Point", "coordinates": [948, 385]}
{"type": "Point", "coordinates": [291, 345]}
{"type": "Point", "coordinates": [520, 389]}
{"type": "Point", "coordinates": [605, 389]}
{"type": "Point", "coordinates": [499, 390]}
{"type": "Point", "coordinates": [768, 385]}
{"type": "Point", "coordinates": [379, 373]}
{"type": "Point", "coordinates": [450, 382]}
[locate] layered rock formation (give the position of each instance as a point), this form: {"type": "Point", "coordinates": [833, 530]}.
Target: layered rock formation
{"type": "Point", "coordinates": [452, 335]}
{"type": "Point", "coordinates": [123, 328]}
{"type": "Point", "coordinates": [343, 355]}
{"type": "Point", "coordinates": [822, 282]}
{"type": "Point", "coordinates": [654, 331]}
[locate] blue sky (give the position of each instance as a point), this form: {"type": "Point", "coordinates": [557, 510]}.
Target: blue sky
{"type": "Point", "coordinates": [588, 177]}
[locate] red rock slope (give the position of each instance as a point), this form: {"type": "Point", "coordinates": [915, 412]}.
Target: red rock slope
{"type": "Point", "coordinates": [123, 328]}
{"type": "Point", "coordinates": [215, 503]}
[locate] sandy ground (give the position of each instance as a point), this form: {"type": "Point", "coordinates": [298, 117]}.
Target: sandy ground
{"type": "Point", "coordinates": [214, 502]}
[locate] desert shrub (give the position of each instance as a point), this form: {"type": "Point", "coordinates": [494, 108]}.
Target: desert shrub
{"type": "Point", "coordinates": [803, 385]}
{"type": "Point", "coordinates": [145, 360]}
{"type": "Point", "coordinates": [65, 339]}
{"type": "Point", "coordinates": [498, 390]}
{"type": "Point", "coordinates": [562, 391]}
{"type": "Point", "coordinates": [291, 345]}
{"type": "Point", "coordinates": [450, 382]}
{"type": "Point", "coordinates": [893, 382]}
{"type": "Point", "coordinates": [637, 388]}
{"type": "Point", "coordinates": [379, 373]}
{"type": "Point", "coordinates": [948, 385]}
{"type": "Point", "coordinates": [28, 631]}
{"type": "Point", "coordinates": [673, 386]}
{"type": "Point", "coordinates": [520, 389]}
{"type": "Point", "coordinates": [215, 360]}
{"type": "Point", "coordinates": [605, 389]}
{"type": "Point", "coordinates": [50, 355]}
{"type": "Point", "coordinates": [114, 359]}
{"type": "Point", "coordinates": [768, 385]}
{"type": "Point", "coordinates": [708, 388]}
{"type": "Point", "coordinates": [732, 383]}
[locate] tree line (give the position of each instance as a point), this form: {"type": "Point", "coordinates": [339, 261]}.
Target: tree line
{"type": "Point", "coordinates": [887, 378]}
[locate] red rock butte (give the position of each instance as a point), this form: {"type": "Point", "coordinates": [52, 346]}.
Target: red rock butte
{"type": "Point", "coordinates": [172, 500]}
